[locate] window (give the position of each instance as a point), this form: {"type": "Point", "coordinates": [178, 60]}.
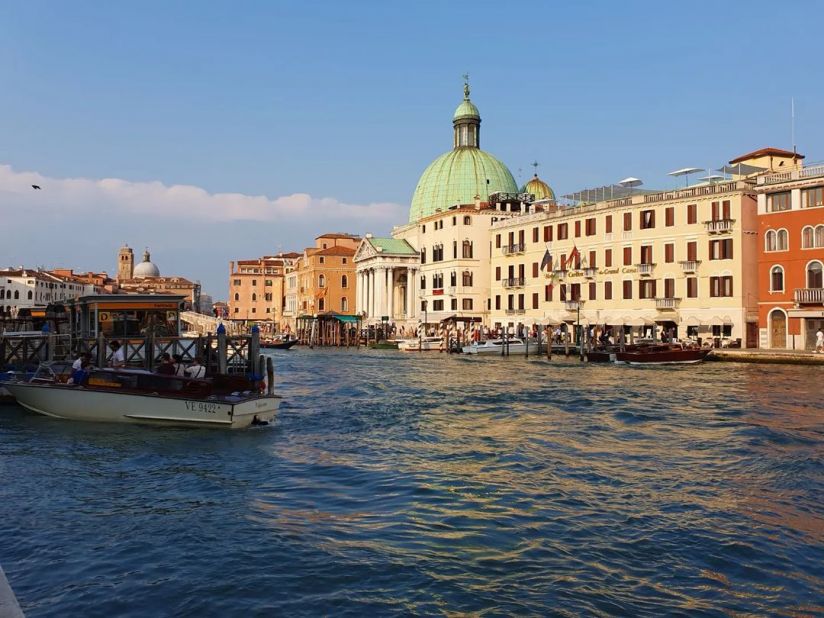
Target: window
{"type": "Point", "coordinates": [467, 249]}
{"type": "Point", "coordinates": [454, 249]}
{"type": "Point", "coordinates": [547, 233]}
{"type": "Point", "coordinates": [497, 241]}
{"type": "Point", "coordinates": [647, 219]}
{"type": "Point", "coordinates": [815, 275]}
{"type": "Point", "coordinates": [812, 237]}
{"type": "Point", "coordinates": [497, 302]}
{"type": "Point", "coordinates": [466, 279]}
{"type": "Point", "coordinates": [510, 301]}
{"type": "Point", "coordinates": [721, 286]}
{"type": "Point", "coordinates": [669, 216]}
{"type": "Point", "coordinates": [592, 261]}
{"type": "Point", "coordinates": [344, 281]}
{"type": "Point", "coordinates": [608, 258]}
{"type": "Point", "coordinates": [548, 292]}
{"type": "Point", "coordinates": [669, 253]}
{"type": "Point", "coordinates": [321, 281]}
{"type": "Point", "coordinates": [590, 226]}
{"type": "Point", "coordinates": [343, 261]}
{"type": "Point", "coordinates": [577, 229]}
{"type": "Point", "coordinates": [646, 288]}
{"type": "Point", "coordinates": [535, 269]}
{"type": "Point", "coordinates": [592, 290]}
{"type": "Point", "coordinates": [437, 305]}
{"type": "Point", "coordinates": [437, 253]}
{"type": "Point", "coordinates": [454, 221]}
{"type": "Point", "coordinates": [468, 221]}
{"type": "Point", "coordinates": [254, 281]}
{"type": "Point", "coordinates": [782, 241]}
{"type": "Point", "coordinates": [268, 283]}
{"type": "Point", "coordinates": [254, 297]}
{"type": "Point", "coordinates": [721, 249]}
{"type": "Point", "coordinates": [692, 251]}
{"type": "Point", "coordinates": [646, 254]}
{"type": "Point", "coordinates": [237, 296]}
{"type": "Point", "coordinates": [627, 290]}
{"type": "Point", "coordinates": [437, 281]}
{"type": "Point", "coordinates": [776, 279]}
{"type": "Point", "coordinates": [321, 260]}
{"type": "Point", "coordinates": [692, 213]}
{"type": "Point", "coordinates": [254, 310]}
{"type": "Point", "coordinates": [669, 288]}
{"type": "Point", "coordinates": [807, 239]}
{"type": "Point", "coordinates": [423, 282]}
{"type": "Point", "coordinates": [608, 224]}
{"type": "Point", "coordinates": [535, 300]}
{"type": "Point", "coordinates": [563, 231]}
{"type": "Point", "coordinates": [535, 234]}
{"type": "Point", "coordinates": [627, 221]}
{"type": "Point", "coordinates": [575, 291]}
{"type": "Point", "coordinates": [453, 279]}
{"type": "Point", "coordinates": [627, 256]}
{"type": "Point", "coordinates": [466, 303]}
{"type": "Point", "coordinates": [521, 237]}
{"type": "Point", "coordinates": [497, 273]}
{"type": "Point", "coordinates": [812, 198]}
{"type": "Point", "coordinates": [607, 290]}
{"type": "Point", "coordinates": [692, 287]}
{"type": "Point", "coordinates": [453, 304]}
{"type": "Point", "coordinates": [777, 202]}
{"type": "Point", "coordinates": [236, 282]}
{"type": "Point", "coordinates": [321, 304]}
{"type": "Point", "coordinates": [562, 292]}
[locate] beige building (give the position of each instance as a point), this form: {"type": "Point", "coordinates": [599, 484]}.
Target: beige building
{"type": "Point", "coordinates": [326, 276]}
{"type": "Point", "coordinates": [256, 289]}
{"type": "Point", "coordinates": [680, 261]}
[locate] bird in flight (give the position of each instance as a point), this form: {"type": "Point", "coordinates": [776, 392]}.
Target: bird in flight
{"type": "Point", "coordinates": [36, 187]}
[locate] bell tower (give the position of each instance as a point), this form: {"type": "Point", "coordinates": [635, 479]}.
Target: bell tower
{"type": "Point", "coordinates": [125, 263]}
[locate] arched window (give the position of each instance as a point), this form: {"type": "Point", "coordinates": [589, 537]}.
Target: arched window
{"type": "Point", "coordinates": [344, 304]}
{"type": "Point", "coordinates": [776, 279]}
{"type": "Point", "coordinates": [815, 275]}
{"type": "Point", "coordinates": [453, 279]}
{"type": "Point", "coordinates": [819, 236]}
{"type": "Point", "coordinates": [808, 237]}
{"type": "Point", "coordinates": [237, 296]}
{"type": "Point", "coordinates": [17, 295]}
{"type": "Point", "coordinates": [466, 279]}
{"type": "Point", "coordinates": [321, 281]}
{"type": "Point", "coordinates": [770, 240]}
{"type": "Point", "coordinates": [344, 282]}
{"type": "Point", "coordinates": [782, 240]}
{"type": "Point", "coordinates": [254, 297]}
{"type": "Point", "coordinates": [467, 248]}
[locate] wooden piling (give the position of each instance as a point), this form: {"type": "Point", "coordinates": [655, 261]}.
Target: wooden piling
{"type": "Point", "coordinates": [221, 349]}
{"type": "Point", "coordinates": [101, 350]}
{"type": "Point", "coordinates": [254, 348]}
{"type": "Point", "coordinates": [270, 376]}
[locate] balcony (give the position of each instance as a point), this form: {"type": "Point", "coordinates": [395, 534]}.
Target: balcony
{"type": "Point", "coordinates": [645, 269]}
{"type": "Point", "coordinates": [515, 282]}
{"type": "Point", "coordinates": [809, 296]}
{"type": "Point", "coordinates": [664, 304]}
{"type": "Point", "coordinates": [514, 248]}
{"type": "Point", "coordinates": [590, 273]}
{"type": "Point", "coordinates": [515, 311]}
{"type": "Point", "coordinates": [800, 173]}
{"type": "Point", "coordinates": [573, 305]}
{"type": "Point", "coordinates": [689, 266]}
{"type": "Point", "coordinates": [719, 226]}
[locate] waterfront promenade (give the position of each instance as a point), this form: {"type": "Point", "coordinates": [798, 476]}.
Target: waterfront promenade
{"type": "Point", "coordinates": [430, 484]}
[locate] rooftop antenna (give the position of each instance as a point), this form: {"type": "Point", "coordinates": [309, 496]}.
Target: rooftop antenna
{"type": "Point", "coordinates": [535, 165]}
{"type": "Point", "coordinates": [792, 124]}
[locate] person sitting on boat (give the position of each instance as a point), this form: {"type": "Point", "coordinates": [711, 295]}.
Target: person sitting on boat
{"type": "Point", "coordinates": [118, 359]}
{"type": "Point", "coordinates": [196, 369]}
{"type": "Point", "coordinates": [80, 375]}
{"type": "Point", "coordinates": [180, 368]}
{"type": "Point", "coordinates": [166, 366]}
{"type": "Point", "coordinates": [85, 356]}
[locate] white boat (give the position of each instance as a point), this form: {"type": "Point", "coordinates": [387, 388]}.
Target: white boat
{"type": "Point", "coordinates": [501, 347]}
{"type": "Point", "coordinates": [423, 344]}
{"type": "Point", "coordinates": [134, 396]}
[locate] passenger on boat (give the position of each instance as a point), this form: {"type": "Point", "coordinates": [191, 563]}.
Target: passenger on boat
{"type": "Point", "coordinates": [85, 356]}
{"type": "Point", "coordinates": [80, 375]}
{"type": "Point", "coordinates": [196, 369]}
{"type": "Point", "coordinates": [118, 355]}
{"type": "Point", "coordinates": [166, 366]}
{"type": "Point", "coordinates": [180, 368]}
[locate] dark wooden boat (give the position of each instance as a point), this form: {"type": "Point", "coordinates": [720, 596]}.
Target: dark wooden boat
{"type": "Point", "coordinates": [279, 344]}
{"type": "Point", "coordinates": [664, 354]}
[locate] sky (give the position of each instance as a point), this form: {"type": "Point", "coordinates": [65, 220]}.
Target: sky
{"type": "Point", "coordinates": [212, 131]}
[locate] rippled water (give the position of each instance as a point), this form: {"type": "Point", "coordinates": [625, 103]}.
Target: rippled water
{"type": "Point", "coordinates": [430, 484]}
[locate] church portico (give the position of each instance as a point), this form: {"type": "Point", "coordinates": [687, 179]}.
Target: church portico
{"type": "Point", "coordinates": [385, 270]}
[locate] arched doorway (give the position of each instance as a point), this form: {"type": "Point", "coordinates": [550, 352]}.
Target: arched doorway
{"type": "Point", "coordinates": [778, 329]}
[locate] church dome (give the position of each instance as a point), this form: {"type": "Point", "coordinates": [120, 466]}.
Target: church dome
{"type": "Point", "coordinates": [146, 268]}
{"type": "Point", "coordinates": [462, 174]}
{"type": "Point", "coordinates": [539, 189]}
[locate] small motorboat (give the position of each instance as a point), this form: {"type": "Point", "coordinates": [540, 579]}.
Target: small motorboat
{"type": "Point", "coordinates": [663, 354]}
{"type": "Point", "coordinates": [422, 344]}
{"type": "Point", "coordinates": [501, 347]}
{"type": "Point", "coordinates": [138, 396]}
{"type": "Point", "coordinates": [279, 343]}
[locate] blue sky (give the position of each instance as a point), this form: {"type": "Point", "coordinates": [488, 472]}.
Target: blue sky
{"type": "Point", "coordinates": [347, 102]}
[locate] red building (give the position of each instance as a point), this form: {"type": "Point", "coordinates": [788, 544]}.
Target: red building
{"type": "Point", "coordinates": [791, 254]}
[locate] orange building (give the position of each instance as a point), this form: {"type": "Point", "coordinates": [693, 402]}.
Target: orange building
{"type": "Point", "coordinates": [256, 290]}
{"type": "Point", "coordinates": [791, 254]}
{"type": "Point", "coordinates": [326, 276]}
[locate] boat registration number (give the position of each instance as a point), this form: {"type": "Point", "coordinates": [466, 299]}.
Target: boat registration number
{"type": "Point", "coordinates": [200, 406]}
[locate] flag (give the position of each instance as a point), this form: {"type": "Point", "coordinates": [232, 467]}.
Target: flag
{"type": "Point", "coordinates": [547, 261]}
{"type": "Point", "coordinates": [575, 253]}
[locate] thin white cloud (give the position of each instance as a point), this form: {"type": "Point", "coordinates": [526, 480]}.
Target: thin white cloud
{"type": "Point", "coordinates": [114, 196]}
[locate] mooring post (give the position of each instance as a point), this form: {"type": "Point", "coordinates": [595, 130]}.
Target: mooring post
{"type": "Point", "coordinates": [261, 367]}
{"type": "Point", "coordinates": [101, 350]}
{"type": "Point", "coordinates": [221, 349]}
{"type": "Point", "coordinates": [254, 348]}
{"type": "Point", "coordinates": [566, 342]}
{"type": "Point", "coordinates": [148, 351]}
{"type": "Point", "coordinates": [270, 376]}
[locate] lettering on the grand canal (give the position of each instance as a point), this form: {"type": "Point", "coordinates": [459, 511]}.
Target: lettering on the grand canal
{"type": "Point", "coordinates": [200, 406]}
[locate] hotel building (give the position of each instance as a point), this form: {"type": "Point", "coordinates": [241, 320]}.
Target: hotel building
{"type": "Point", "coordinates": [256, 288]}
{"type": "Point", "coordinates": [791, 253]}
{"type": "Point", "coordinates": [326, 276]}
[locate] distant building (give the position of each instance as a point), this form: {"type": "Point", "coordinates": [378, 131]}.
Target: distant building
{"type": "Point", "coordinates": [256, 289]}
{"type": "Point", "coordinates": [145, 278]}
{"type": "Point", "coordinates": [791, 251]}
{"type": "Point", "coordinates": [326, 276]}
{"type": "Point", "coordinates": [24, 288]}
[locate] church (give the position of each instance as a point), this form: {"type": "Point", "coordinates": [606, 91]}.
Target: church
{"type": "Point", "coordinates": [436, 267]}
{"type": "Point", "coordinates": [145, 278]}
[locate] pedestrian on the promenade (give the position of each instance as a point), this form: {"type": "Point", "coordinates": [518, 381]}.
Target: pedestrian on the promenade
{"type": "Point", "coordinates": [819, 341]}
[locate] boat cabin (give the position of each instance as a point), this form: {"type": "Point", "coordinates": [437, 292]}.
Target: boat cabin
{"type": "Point", "coordinates": [126, 315]}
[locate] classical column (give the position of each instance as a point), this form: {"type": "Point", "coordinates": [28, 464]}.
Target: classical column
{"type": "Point", "coordinates": [381, 305]}
{"type": "Point", "coordinates": [357, 291]}
{"type": "Point", "coordinates": [370, 302]}
{"type": "Point", "coordinates": [390, 297]}
{"type": "Point", "coordinates": [411, 287]}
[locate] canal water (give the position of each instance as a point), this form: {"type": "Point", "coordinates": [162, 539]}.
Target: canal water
{"type": "Point", "coordinates": [397, 484]}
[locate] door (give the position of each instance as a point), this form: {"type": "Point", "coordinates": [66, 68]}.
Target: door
{"type": "Point", "coordinates": [778, 329]}
{"type": "Point", "coordinates": [752, 335]}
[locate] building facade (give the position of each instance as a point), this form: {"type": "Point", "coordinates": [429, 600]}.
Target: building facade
{"type": "Point", "coordinates": [385, 270]}
{"type": "Point", "coordinates": [326, 276]}
{"type": "Point", "coordinates": [256, 289]}
{"type": "Point", "coordinates": [791, 254]}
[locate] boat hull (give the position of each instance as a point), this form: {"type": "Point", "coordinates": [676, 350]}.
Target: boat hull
{"type": "Point", "coordinates": [85, 404]}
{"type": "Point", "coordinates": [669, 357]}
{"type": "Point", "coordinates": [280, 345]}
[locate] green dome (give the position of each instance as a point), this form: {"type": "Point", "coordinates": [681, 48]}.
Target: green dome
{"type": "Point", "coordinates": [466, 109]}
{"type": "Point", "coordinates": [456, 177]}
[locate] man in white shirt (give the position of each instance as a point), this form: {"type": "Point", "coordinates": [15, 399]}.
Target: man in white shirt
{"type": "Point", "coordinates": [196, 370]}
{"type": "Point", "coordinates": [819, 341]}
{"type": "Point", "coordinates": [78, 364]}
{"type": "Point", "coordinates": [118, 359]}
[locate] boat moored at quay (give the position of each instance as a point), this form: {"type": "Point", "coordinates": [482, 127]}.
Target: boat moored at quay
{"type": "Point", "coordinates": [141, 397]}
